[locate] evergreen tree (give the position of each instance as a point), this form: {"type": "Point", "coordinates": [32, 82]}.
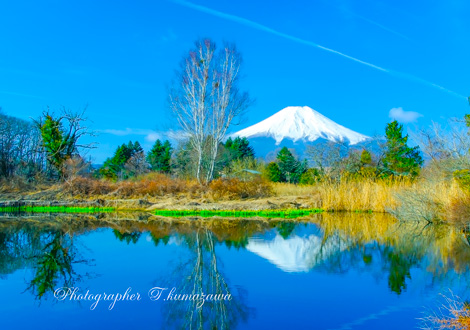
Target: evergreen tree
{"type": "Point", "coordinates": [159, 156]}
{"type": "Point", "coordinates": [399, 158]}
{"type": "Point", "coordinates": [54, 142]}
{"type": "Point", "coordinates": [135, 148]}
{"type": "Point", "coordinates": [60, 136]}
{"type": "Point", "coordinates": [228, 143]}
{"type": "Point", "coordinates": [289, 166]}
{"type": "Point", "coordinates": [310, 176]}
{"type": "Point", "coordinates": [113, 168]}
{"type": "Point", "coordinates": [184, 160]}
{"type": "Point", "coordinates": [239, 148]}
{"type": "Point", "coordinates": [273, 172]}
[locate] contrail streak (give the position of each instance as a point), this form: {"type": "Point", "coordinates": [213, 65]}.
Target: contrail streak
{"type": "Point", "coordinates": [264, 28]}
{"type": "Point", "coordinates": [383, 27]}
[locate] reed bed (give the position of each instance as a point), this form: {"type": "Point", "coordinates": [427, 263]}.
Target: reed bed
{"type": "Point", "coordinates": [349, 195]}
{"type": "Point", "coordinates": [433, 201]}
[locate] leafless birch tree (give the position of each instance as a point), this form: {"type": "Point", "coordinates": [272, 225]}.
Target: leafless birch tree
{"type": "Point", "coordinates": [206, 99]}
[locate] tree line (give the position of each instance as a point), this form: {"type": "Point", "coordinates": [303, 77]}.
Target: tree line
{"type": "Point", "coordinates": [205, 100]}
{"type": "Point", "coordinates": [50, 147]}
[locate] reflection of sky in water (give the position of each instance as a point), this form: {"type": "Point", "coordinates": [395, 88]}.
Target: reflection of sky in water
{"type": "Point", "coordinates": [299, 276]}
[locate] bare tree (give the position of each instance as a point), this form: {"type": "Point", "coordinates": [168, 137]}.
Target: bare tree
{"type": "Point", "coordinates": [206, 99]}
{"type": "Point", "coordinates": [447, 148]}
{"type": "Point", "coordinates": [327, 157]}
{"type": "Point", "coordinates": [19, 148]}
{"type": "Point", "coordinates": [136, 165]}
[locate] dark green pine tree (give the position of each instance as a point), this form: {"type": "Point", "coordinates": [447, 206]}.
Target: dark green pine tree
{"type": "Point", "coordinates": [239, 148]}
{"type": "Point", "coordinates": [273, 172]}
{"type": "Point", "coordinates": [113, 167]}
{"type": "Point", "coordinates": [399, 158]}
{"type": "Point", "coordinates": [159, 157]}
{"type": "Point", "coordinates": [291, 168]}
{"type": "Point", "coordinates": [134, 148]}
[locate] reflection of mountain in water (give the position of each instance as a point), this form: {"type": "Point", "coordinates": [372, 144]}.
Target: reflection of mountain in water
{"type": "Point", "coordinates": [331, 243]}
{"type": "Point", "coordinates": [295, 254]}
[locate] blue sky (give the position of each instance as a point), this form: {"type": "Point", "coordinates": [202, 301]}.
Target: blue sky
{"type": "Point", "coordinates": [118, 57]}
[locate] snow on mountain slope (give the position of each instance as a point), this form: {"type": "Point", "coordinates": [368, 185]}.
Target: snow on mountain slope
{"type": "Point", "coordinates": [300, 123]}
{"type": "Point", "coordinates": [296, 254]}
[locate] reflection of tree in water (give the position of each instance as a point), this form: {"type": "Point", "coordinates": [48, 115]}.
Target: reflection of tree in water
{"type": "Point", "coordinates": [164, 240]}
{"type": "Point", "coordinates": [380, 244]}
{"type": "Point", "coordinates": [51, 255]}
{"type": "Point", "coordinates": [14, 246]}
{"type": "Point", "coordinates": [127, 237]}
{"type": "Point", "coordinates": [201, 274]}
{"type": "Point", "coordinates": [285, 228]}
{"type": "Point", "coordinates": [54, 264]}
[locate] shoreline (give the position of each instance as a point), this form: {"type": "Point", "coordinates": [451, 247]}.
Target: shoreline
{"type": "Point", "coordinates": [273, 208]}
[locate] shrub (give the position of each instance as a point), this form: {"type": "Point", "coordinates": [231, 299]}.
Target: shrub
{"type": "Point", "coordinates": [309, 177]}
{"type": "Point", "coordinates": [234, 188]}
{"type": "Point", "coordinates": [153, 184]}
{"type": "Point", "coordinates": [367, 172]}
{"type": "Point", "coordinates": [463, 178]}
{"type": "Point", "coordinates": [238, 168]}
{"type": "Point", "coordinates": [458, 210]}
{"type": "Point", "coordinates": [87, 186]}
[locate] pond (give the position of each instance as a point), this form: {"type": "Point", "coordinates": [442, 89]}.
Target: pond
{"type": "Point", "coordinates": [327, 271]}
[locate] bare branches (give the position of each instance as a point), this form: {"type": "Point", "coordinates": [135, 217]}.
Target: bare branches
{"type": "Point", "coordinates": [19, 148]}
{"type": "Point", "coordinates": [446, 147]}
{"type": "Point", "coordinates": [206, 99]}
{"type": "Point", "coordinates": [60, 136]}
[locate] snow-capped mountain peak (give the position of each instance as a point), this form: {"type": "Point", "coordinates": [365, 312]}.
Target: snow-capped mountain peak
{"type": "Point", "coordinates": [300, 123]}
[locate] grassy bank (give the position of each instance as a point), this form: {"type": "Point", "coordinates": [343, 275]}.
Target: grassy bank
{"type": "Point", "coordinates": [428, 198]}
{"type": "Point", "coordinates": [54, 209]}
{"type": "Point", "coordinates": [288, 214]}
{"type": "Point", "coordinates": [341, 195]}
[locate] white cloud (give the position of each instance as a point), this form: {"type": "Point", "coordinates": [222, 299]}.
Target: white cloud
{"type": "Point", "coordinates": [403, 116]}
{"type": "Point", "coordinates": [150, 135]}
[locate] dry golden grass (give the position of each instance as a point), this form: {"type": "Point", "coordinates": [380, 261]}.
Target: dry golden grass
{"type": "Point", "coordinates": [453, 314]}
{"type": "Point", "coordinates": [348, 194]}
{"type": "Point", "coordinates": [236, 189]}
{"type": "Point", "coordinates": [433, 201]}
{"type": "Point", "coordinates": [158, 185]}
{"type": "Point", "coordinates": [152, 184]}
{"type": "Point", "coordinates": [424, 199]}
{"type": "Point", "coordinates": [360, 228]}
{"type": "Point", "coordinates": [445, 247]}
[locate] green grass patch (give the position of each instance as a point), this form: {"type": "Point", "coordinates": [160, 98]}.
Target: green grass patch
{"type": "Point", "coordinates": [55, 209]}
{"type": "Point", "coordinates": [288, 214]}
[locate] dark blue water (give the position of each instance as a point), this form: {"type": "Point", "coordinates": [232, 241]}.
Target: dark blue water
{"type": "Point", "coordinates": [328, 272]}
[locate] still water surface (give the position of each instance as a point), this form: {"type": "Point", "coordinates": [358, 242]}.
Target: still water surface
{"type": "Point", "coordinates": [331, 271]}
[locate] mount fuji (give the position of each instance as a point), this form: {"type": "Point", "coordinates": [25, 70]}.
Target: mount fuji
{"type": "Point", "coordinates": [296, 127]}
